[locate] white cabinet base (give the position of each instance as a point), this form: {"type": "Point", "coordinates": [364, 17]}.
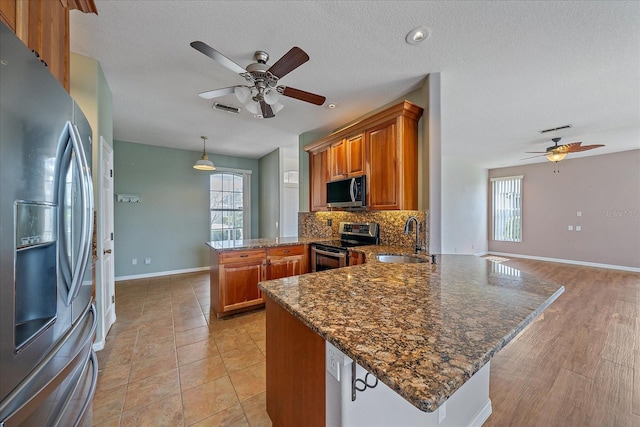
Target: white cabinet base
{"type": "Point", "coordinates": [380, 406]}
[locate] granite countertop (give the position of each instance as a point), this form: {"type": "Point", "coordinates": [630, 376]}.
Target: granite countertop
{"type": "Point", "coordinates": [260, 243]}
{"type": "Point", "coordinates": [422, 329]}
{"type": "Point", "coordinates": [370, 251]}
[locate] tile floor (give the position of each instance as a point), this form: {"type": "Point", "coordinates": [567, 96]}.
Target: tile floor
{"type": "Point", "coordinates": [166, 363]}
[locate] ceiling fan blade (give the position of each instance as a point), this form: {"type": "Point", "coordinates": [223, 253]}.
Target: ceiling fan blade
{"type": "Point", "coordinates": [217, 56]}
{"type": "Point", "coordinates": [584, 148]}
{"type": "Point", "coordinates": [567, 148]}
{"type": "Point", "coordinates": [533, 157]}
{"type": "Point", "coordinates": [217, 92]}
{"type": "Point", "coordinates": [302, 95]}
{"type": "Point", "coordinates": [267, 112]}
{"type": "Point", "coordinates": [289, 62]}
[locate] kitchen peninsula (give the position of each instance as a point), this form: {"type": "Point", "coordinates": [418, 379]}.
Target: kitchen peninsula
{"type": "Point", "coordinates": [236, 267]}
{"type": "Point", "coordinates": [425, 331]}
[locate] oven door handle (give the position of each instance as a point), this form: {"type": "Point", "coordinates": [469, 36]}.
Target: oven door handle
{"type": "Point", "coordinates": [327, 253]}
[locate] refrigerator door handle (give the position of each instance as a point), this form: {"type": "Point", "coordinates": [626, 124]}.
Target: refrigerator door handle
{"type": "Point", "coordinates": [15, 398]}
{"type": "Point", "coordinates": [86, 197]}
{"type": "Point", "coordinates": [88, 398]}
{"type": "Point", "coordinates": [92, 389]}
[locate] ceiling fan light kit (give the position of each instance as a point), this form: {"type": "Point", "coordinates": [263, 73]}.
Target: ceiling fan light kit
{"type": "Point", "coordinates": [204, 164]}
{"type": "Point", "coordinates": [556, 153]}
{"type": "Point", "coordinates": [556, 157]}
{"type": "Point", "coordinates": [261, 95]}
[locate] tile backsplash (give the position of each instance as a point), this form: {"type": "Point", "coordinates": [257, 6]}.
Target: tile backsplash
{"type": "Point", "coordinates": [314, 224]}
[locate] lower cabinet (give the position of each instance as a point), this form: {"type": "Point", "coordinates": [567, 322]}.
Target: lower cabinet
{"type": "Point", "coordinates": [296, 372]}
{"type": "Point", "coordinates": [356, 257]}
{"type": "Point", "coordinates": [235, 275]}
{"type": "Point", "coordinates": [287, 261]}
{"type": "Point", "coordinates": [234, 280]}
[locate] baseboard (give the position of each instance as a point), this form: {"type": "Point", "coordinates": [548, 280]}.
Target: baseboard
{"type": "Point", "coordinates": [482, 416]}
{"type": "Point", "coordinates": [568, 261]}
{"type": "Point", "coordinates": [161, 273]}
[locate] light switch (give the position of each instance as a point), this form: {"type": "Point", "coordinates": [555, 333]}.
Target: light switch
{"type": "Point", "coordinates": [570, 228]}
{"type": "Point", "coordinates": [578, 213]}
{"type": "Point", "coordinates": [578, 228]}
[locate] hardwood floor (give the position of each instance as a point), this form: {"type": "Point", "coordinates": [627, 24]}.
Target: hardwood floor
{"type": "Point", "coordinates": [167, 363]}
{"type": "Point", "coordinates": [578, 364]}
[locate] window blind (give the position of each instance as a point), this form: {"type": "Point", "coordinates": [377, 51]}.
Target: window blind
{"type": "Point", "coordinates": [506, 208]}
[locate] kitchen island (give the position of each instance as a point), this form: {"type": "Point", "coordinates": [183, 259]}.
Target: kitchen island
{"type": "Point", "coordinates": [423, 330]}
{"type": "Point", "coordinates": [236, 267]}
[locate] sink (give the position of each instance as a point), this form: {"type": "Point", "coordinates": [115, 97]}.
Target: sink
{"type": "Point", "coordinates": [400, 258]}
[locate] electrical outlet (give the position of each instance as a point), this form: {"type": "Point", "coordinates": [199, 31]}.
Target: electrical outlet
{"type": "Point", "coordinates": [329, 222]}
{"type": "Point", "coordinates": [333, 363]}
{"type": "Point", "coordinates": [147, 261]}
{"type": "Point", "coordinates": [570, 228]}
{"type": "Point", "coordinates": [134, 261]}
{"type": "Point", "coordinates": [578, 213]}
{"type": "Point", "coordinates": [578, 228]}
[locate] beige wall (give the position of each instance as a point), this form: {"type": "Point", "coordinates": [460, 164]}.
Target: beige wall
{"type": "Point", "coordinates": [605, 188]}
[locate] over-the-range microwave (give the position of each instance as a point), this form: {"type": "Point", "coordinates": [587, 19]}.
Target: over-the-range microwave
{"type": "Point", "coordinates": [347, 193]}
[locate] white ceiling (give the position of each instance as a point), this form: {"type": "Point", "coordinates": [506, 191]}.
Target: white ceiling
{"type": "Point", "coordinates": [508, 70]}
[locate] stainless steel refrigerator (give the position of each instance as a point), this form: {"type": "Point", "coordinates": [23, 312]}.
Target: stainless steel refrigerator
{"type": "Point", "coordinates": [48, 370]}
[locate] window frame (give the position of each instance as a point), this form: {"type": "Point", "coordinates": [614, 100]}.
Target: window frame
{"type": "Point", "coordinates": [246, 200]}
{"type": "Point", "coordinates": [498, 222]}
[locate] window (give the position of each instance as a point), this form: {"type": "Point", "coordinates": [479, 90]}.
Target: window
{"type": "Point", "coordinates": [230, 205]}
{"type": "Point", "coordinates": [506, 208]}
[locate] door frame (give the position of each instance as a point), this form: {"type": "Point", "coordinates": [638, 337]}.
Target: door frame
{"type": "Point", "coordinates": [105, 288]}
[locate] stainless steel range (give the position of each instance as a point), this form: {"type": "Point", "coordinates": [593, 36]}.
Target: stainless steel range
{"type": "Point", "coordinates": [331, 254]}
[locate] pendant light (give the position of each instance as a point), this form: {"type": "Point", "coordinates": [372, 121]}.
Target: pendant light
{"type": "Point", "coordinates": [204, 164]}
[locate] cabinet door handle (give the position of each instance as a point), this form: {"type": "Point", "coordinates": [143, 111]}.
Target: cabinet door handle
{"type": "Point", "coordinates": [244, 256]}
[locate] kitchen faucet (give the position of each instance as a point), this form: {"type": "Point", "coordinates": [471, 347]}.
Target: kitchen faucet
{"type": "Point", "coordinates": [417, 247]}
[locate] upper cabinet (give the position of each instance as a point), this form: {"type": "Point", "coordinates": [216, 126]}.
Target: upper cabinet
{"type": "Point", "coordinates": [384, 147]}
{"type": "Point", "coordinates": [8, 13]}
{"type": "Point", "coordinates": [319, 173]}
{"type": "Point", "coordinates": [43, 25]}
{"type": "Point", "coordinates": [346, 157]}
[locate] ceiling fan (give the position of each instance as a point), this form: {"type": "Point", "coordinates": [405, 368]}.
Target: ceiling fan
{"type": "Point", "coordinates": [262, 91]}
{"type": "Point", "coordinates": [556, 152]}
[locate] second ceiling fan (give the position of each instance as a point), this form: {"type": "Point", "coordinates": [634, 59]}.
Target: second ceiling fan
{"type": "Point", "coordinates": [262, 90]}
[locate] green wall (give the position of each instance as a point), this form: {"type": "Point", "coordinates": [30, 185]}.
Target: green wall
{"type": "Point", "coordinates": [171, 224]}
{"type": "Point", "coordinates": [270, 194]}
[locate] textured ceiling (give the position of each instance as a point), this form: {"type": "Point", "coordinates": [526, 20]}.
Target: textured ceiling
{"type": "Point", "coordinates": [508, 70]}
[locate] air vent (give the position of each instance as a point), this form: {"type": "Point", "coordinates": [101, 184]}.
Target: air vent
{"type": "Point", "coordinates": [556, 129]}
{"type": "Point", "coordinates": [227, 108]}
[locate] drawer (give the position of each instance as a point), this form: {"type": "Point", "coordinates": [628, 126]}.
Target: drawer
{"type": "Point", "coordinates": [282, 251]}
{"type": "Point", "coordinates": [241, 256]}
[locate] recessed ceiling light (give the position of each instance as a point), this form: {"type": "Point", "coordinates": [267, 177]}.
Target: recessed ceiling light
{"type": "Point", "coordinates": [418, 35]}
{"type": "Point", "coordinates": [331, 106]}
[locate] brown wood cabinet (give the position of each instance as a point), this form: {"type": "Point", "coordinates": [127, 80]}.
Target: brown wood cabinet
{"type": "Point", "coordinates": [346, 158]}
{"type": "Point", "coordinates": [296, 372]}
{"type": "Point", "coordinates": [43, 25]}
{"type": "Point", "coordinates": [234, 278]}
{"type": "Point", "coordinates": [356, 257]}
{"type": "Point", "coordinates": [319, 172]}
{"type": "Point", "coordinates": [384, 147]}
{"type": "Point", "coordinates": [234, 275]}
{"type": "Point", "coordinates": [8, 12]}
{"type": "Point", "coordinates": [287, 261]}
